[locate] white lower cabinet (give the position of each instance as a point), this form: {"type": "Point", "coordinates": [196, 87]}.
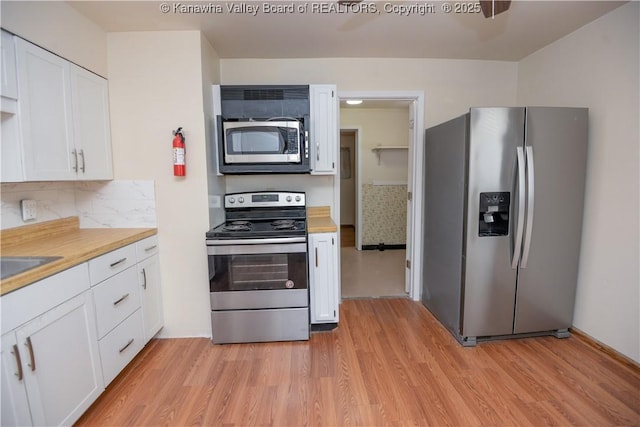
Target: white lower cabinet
{"type": "Point", "coordinates": [116, 299]}
{"type": "Point", "coordinates": [323, 278]}
{"type": "Point", "coordinates": [149, 283]}
{"type": "Point", "coordinates": [15, 406]}
{"type": "Point", "coordinates": [128, 302]}
{"type": "Point", "coordinates": [66, 337]}
{"type": "Point", "coordinates": [119, 319]}
{"type": "Point", "coordinates": [151, 296]}
{"type": "Point", "coordinates": [59, 364]}
{"type": "Point", "coordinates": [121, 345]}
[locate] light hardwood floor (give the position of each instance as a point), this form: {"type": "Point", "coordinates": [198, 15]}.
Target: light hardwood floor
{"type": "Point", "coordinates": [388, 363]}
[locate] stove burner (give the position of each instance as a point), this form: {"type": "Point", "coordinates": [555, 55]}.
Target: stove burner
{"type": "Point", "coordinates": [238, 226]}
{"type": "Point", "coordinates": [283, 224]}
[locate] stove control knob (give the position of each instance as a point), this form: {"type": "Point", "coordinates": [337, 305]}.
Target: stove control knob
{"type": "Point", "coordinates": [288, 198]}
{"type": "Point", "coordinates": [298, 198]}
{"type": "Point", "coordinates": [241, 199]}
{"type": "Point", "coordinates": [232, 200]}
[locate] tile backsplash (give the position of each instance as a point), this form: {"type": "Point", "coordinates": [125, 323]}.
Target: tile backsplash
{"type": "Point", "coordinates": [98, 204]}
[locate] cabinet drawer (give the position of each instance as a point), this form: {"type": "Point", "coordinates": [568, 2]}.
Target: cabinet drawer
{"type": "Point", "coordinates": [147, 247]}
{"type": "Point", "coordinates": [107, 265]}
{"type": "Point", "coordinates": [26, 303]}
{"type": "Point", "coordinates": [120, 346]}
{"type": "Point", "coordinates": [115, 299]}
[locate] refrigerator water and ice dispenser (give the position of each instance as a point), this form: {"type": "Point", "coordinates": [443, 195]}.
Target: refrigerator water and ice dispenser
{"type": "Point", "coordinates": [494, 214]}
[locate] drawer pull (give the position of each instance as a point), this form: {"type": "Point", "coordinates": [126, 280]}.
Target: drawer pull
{"type": "Point", "coordinates": [121, 299]}
{"type": "Point", "coordinates": [150, 248]}
{"type": "Point", "coordinates": [126, 346]}
{"type": "Point", "coordinates": [16, 353]}
{"type": "Point", "coordinates": [144, 278]}
{"type": "Point", "coordinates": [120, 261]}
{"type": "Point", "coordinates": [32, 358]}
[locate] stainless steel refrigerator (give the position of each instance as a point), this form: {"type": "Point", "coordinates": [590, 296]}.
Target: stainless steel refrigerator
{"type": "Point", "coordinates": [504, 191]}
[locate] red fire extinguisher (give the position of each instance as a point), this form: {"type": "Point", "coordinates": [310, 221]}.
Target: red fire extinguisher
{"type": "Point", "coordinates": [178, 153]}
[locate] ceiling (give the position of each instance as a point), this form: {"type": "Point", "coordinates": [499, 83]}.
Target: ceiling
{"type": "Point", "coordinates": [324, 31]}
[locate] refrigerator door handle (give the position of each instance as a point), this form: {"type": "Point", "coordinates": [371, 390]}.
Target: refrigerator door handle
{"type": "Point", "coordinates": [517, 245]}
{"type": "Point", "coordinates": [530, 206]}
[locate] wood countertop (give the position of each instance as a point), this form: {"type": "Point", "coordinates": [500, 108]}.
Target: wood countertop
{"type": "Point", "coordinates": [319, 220]}
{"type": "Point", "coordinates": [63, 238]}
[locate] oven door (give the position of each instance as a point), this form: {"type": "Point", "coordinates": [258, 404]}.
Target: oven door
{"type": "Point", "coordinates": [255, 276]}
{"type": "Point", "coordinates": [262, 142]}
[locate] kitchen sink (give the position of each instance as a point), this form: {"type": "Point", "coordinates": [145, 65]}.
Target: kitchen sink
{"type": "Point", "coordinates": [12, 265]}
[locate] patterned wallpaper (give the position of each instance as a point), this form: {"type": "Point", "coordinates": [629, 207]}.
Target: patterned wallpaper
{"type": "Point", "coordinates": [384, 214]}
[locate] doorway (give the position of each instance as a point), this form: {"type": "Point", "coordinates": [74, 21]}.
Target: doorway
{"type": "Point", "coordinates": [348, 197]}
{"type": "Point", "coordinates": [375, 141]}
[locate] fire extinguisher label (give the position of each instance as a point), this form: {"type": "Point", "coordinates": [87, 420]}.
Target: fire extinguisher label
{"type": "Point", "coordinates": [178, 156]}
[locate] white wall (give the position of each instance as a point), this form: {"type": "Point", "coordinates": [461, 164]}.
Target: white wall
{"type": "Point", "coordinates": [380, 126]}
{"type": "Point", "coordinates": [156, 84]}
{"type": "Point", "coordinates": [597, 67]}
{"type": "Point", "coordinates": [56, 26]}
{"type": "Point", "coordinates": [210, 76]}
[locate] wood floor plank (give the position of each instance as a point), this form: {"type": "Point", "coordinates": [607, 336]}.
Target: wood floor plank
{"type": "Point", "coordinates": [389, 362]}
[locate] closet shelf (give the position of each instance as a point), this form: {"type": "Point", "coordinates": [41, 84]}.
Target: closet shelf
{"type": "Point", "coordinates": [380, 148]}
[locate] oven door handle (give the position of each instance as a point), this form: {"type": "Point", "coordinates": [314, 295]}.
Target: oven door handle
{"type": "Point", "coordinates": [239, 242]}
{"type": "Point", "coordinates": [259, 248]}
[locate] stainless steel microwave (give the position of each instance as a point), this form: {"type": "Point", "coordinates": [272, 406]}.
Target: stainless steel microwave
{"type": "Point", "coordinates": [278, 145]}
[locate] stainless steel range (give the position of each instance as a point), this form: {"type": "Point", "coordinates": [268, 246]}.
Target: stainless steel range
{"type": "Point", "coordinates": [258, 269]}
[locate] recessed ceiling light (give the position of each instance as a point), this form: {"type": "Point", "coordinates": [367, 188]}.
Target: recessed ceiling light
{"type": "Point", "coordinates": [354, 101]}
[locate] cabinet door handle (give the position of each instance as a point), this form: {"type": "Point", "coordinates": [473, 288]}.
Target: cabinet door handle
{"type": "Point", "coordinates": [122, 298]}
{"type": "Point", "coordinates": [150, 248]}
{"type": "Point", "coordinates": [75, 161]}
{"type": "Point", "coordinates": [144, 278]}
{"type": "Point", "coordinates": [316, 257]}
{"type": "Point", "coordinates": [16, 353]}
{"type": "Point", "coordinates": [318, 151]}
{"type": "Point", "coordinates": [306, 144]}
{"type": "Point", "coordinates": [120, 261]}
{"type": "Point", "coordinates": [126, 346]}
{"type": "Point", "coordinates": [82, 168]}
{"type": "Point", "coordinates": [32, 358]}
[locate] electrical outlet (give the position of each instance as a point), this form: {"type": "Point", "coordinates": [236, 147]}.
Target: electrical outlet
{"type": "Point", "coordinates": [29, 209]}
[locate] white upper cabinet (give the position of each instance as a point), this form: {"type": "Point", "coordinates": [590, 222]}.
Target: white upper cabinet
{"type": "Point", "coordinates": [324, 129]}
{"type": "Point", "coordinates": [11, 166]}
{"type": "Point", "coordinates": [92, 136]}
{"type": "Point", "coordinates": [45, 114]}
{"type": "Point", "coordinates": [63, 118]}
{"type": "Point", "coordinates": [9, 81]}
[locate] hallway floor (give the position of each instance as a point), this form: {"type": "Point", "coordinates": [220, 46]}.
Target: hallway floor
{"type": "Point", "coordinates": [372, 274]}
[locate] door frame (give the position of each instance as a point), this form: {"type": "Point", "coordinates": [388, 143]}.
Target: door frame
{"type": "Point", "coordinates": [357, 130]}
{"type": "Point", "coordinates": [414, 181]}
